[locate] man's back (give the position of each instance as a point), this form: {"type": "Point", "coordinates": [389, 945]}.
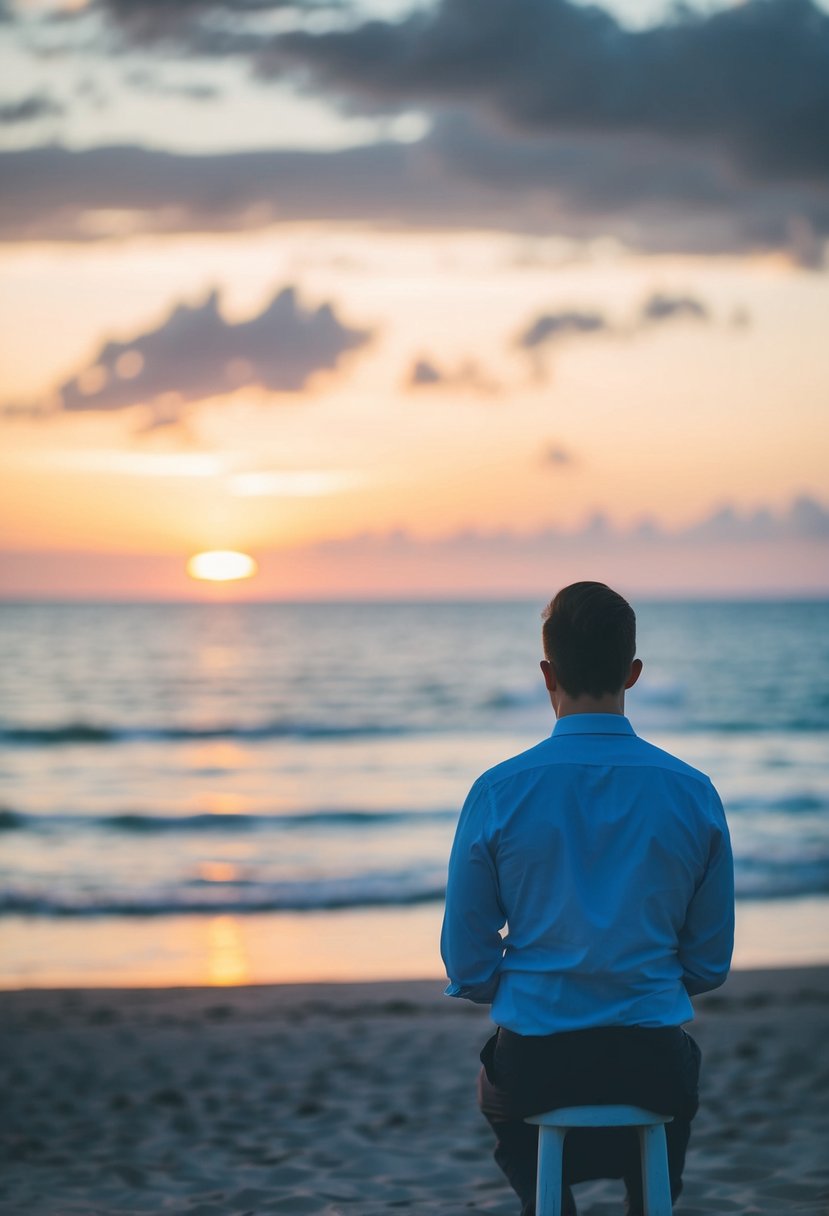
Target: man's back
{"type": "Point", "coordinates": [610, 861]}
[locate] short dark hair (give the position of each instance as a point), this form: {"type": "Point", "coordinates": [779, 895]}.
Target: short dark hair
{"type": "Point", "coordinates": [589, 636]}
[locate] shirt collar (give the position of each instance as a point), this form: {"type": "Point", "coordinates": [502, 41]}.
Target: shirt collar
{"type": "Point", "coordinates": [593, 724]}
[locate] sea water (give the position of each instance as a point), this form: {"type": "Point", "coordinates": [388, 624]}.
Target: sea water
{"type": "Point", "coordinates": [225, 792]}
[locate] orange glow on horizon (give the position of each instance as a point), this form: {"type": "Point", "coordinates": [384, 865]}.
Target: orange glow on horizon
{"type": "Point", "coordinates": [221, 566]}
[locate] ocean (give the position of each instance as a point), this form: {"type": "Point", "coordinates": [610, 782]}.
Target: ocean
{"type": "Point", "coordinates": [226, 793]}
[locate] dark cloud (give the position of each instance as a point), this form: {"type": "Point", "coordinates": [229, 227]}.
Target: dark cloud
{"type": "Point", "coordinates": [650, 194]}
{"type": "Point", "coordinates": [460, 176]}
{"type": "Point", "coordinates": [663, 308]}
{"type": "Point", "coordinates": [750, 81]}
{"type": "Point", "coordinates": [706, 134]}
{"type": "Point", "coordinates": [195, 353]}
{"type": "Point", "coordinates": [54, 193]}
{"type": "Point", "coordinates": [748, 84]}
{"type": "Point", "coordinates": [27, 109]}
{"type": "Point", "coordinates": [560, 324]}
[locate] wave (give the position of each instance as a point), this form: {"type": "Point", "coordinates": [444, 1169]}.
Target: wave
{"type": "Point", "coordinates": [784, 880]}
{"type": "Point", "coordinates": [64, 733]}
{"type": "Point", "coordinates": [204, 898]}
{"type": "Point", "coordinates": [494, 712]}
{"type": "Point", "coordinates": [792, 804]}
{"type": "Point", "coordinates": [528, 697]}
{"type": "Point", "coordinates": [659, 695]}
{"type": "Point", "coordinates": [815, 724]}
{"type": "Point", "coordinates": [145, 823]}
{"type": "Point", "coordinates": [152, 823]}
{"type": "Point", "coordinates": [758, 877]}
{"type": "Point", "coordinates": [237, 898]}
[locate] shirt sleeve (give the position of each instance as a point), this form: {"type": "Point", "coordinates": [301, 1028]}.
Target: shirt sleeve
{"type": "Point", "coordinates": [470, 943]}
{"type": "Point", "coordinates": [706, 941]}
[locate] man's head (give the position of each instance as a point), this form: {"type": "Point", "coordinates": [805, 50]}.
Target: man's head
{"type": "Point", "coordinates": [589, 636]}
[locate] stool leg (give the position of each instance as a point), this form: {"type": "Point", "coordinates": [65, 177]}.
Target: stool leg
{"type": "Point", "coordinates": [550, 1165]}
{"type": "Point", "coordinates": [656, 1183]}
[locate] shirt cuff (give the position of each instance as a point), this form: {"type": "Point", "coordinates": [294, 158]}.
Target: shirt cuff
{"type": "Point", "coordinates": [481, 994]}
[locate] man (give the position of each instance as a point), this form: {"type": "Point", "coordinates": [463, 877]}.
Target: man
{"type": "Point", "coordinates": [610, 863]}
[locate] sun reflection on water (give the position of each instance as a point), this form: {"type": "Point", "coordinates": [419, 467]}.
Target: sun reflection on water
{"type": "Point", "coordinates": [217, 802]}
{"type": "Point", "coordinates": [227, 959]}
{"type": "Point", "coordinates": [218, 871]}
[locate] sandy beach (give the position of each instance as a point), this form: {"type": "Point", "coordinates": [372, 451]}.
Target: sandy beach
{"type": "Point", "coordinates": [359, 1098]}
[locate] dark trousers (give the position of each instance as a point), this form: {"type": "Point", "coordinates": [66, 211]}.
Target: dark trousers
{"type": "Point", "coordinates": [525, 1075]}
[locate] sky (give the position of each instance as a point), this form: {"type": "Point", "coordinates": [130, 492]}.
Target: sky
{"type": "Point", "coordinates": [466, 297]}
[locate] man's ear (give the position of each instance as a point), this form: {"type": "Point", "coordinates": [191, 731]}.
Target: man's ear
{"type": "Point", "coordinates": [635, 673]}
{"type": "Point", "coordinates": [549, 673]}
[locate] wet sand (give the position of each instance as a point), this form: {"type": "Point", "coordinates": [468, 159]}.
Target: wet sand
{"type": "Point", "coordinates": [356, 1099]}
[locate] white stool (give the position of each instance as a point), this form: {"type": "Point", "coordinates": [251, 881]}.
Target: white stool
{"type": "Point", "coordinates": [554, 1125]}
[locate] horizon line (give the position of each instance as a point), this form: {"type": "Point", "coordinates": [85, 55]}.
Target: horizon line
{"type": "Point", "coordinates": [709, 597]}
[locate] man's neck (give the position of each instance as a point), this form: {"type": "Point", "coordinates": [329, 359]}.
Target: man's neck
{"type": "Point", "coordinates": [613, 703]}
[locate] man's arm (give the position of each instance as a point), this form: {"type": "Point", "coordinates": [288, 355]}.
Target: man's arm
{"type": "Point", "coordinates": [470, 942]}
{"type": "Point", "coordinates": [707, 937]}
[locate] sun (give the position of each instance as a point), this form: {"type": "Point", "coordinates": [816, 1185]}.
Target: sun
{"type": "Point", "coordinates": [221, 566]}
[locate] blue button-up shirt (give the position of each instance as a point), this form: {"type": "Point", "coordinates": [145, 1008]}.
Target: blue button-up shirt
{"type": "Point", "coordinates": [609, 861]}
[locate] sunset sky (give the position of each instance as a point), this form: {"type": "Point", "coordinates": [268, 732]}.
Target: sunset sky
{"type": "Point", "coordinates": [475, 296]}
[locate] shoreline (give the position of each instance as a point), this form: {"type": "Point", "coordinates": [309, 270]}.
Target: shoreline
{"type": "Point", "coordinates": [334, 946]}
{"type": "Point", "coordinates": [742, 982]}
{"type": "Point", "coordinates": [358, 1098]}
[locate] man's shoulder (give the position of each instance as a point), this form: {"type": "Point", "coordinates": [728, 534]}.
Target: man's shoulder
{"type": "Point", "coordinates": [538, 756]}
{"type": "Point", "coordinates": [635, 752]}
{"type": "Point", "coordinates": [657, 757]}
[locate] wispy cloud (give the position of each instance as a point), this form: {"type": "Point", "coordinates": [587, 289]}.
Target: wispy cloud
{"type": "Point", "coordinates": [549, 326]}
{"type": "Point", "coordinates": [194, 27]}
{"type": "Point", "coordinates": [727, 553]}
{"type": "Point", "coordinates": [554, 456]}
{"type": "Point", "coordinates": [145, 81]}
{"type": "Point", "coordinates": [665, 308]}
{"type": "Point", "coordinates": [232, 472]}
{"type": "Point", "coordinates": [804, 519]}
{"type": "Point", "coordinates": [548, 329]}
{"type": "Point", "coordinates": [196, 354]}
{"type": "Point", "coordinates": [426, 373]}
